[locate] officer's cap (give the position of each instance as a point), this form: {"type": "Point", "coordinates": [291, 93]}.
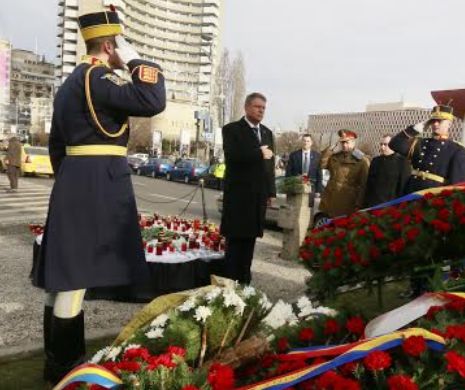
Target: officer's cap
{"type": "Point", "coordinates": [100, 24]}
{"type": "Point", "coordinates": [442, 112]}
{"type": "Point", "coordinates": [346, 135]}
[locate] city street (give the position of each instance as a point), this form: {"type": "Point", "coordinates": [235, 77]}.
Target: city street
{"type": "Point", "coordinates": [152, 195]}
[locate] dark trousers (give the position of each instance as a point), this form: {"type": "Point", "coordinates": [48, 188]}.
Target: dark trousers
{"type": "Point", "coordinates": [13, 175]}
{"type": "Point", "coordinates": [238, 258]}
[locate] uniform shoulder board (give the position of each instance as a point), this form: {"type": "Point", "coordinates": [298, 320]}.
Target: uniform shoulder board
{"type": "Point", "coordinates": [358, 154]}
{"type": "Point", "coordinates": [114, 78]}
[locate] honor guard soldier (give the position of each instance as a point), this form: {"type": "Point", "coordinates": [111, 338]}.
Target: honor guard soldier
{"type": "Point", "coordinates": [436, 161]}
{"type": "Point", "coordinates": [92, 236]}
{"type": "Point", "coordinates": [348, 169]}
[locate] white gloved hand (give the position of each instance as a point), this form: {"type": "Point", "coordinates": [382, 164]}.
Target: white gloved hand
{"type": "Point", "coordinates": [125, 51]}
{"type": "Point", "coordinates": [358, 154]}
{"type": "Point", "coordinates": [419, 127]}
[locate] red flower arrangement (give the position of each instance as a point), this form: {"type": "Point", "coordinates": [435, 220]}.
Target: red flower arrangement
{"type": "Point", "coordinates": [221, 377]}
{"type": "Point", "coordinates": [370, 245]}
{"type": "Point", "coordinates": [377, 361]}
{"type": "Point", "coordinates": [355, 325]}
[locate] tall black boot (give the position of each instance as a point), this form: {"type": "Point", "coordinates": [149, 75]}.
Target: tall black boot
{"type": "Point", "coordinates": [68, 347]}
{"type": "Point", "coordinates": [47, 324]}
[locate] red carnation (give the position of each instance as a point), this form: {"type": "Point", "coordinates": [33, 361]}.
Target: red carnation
{"type": "Point", "coordinates": [444, 214]}
{"type": "Point", "coordinates": [361, 233]}
{"type": "Point", "coordinates": [401, 382]}
{"type": "Point", "coordinates": [412, 234]}
{"type": "Point", "coordinates": [221, 377]}
{"type": "Point", "coordinates": [458, 207]}
{"type": "Point", "coordinates": [283, 344]}
{"type": "Point", "coordinates": [160, 360]}
{"type": "Point", "coordinates": [342, 234]}
{"type": "Point", "coordinates": [455, 332]}
{"type": "Point", "coordinates": [306, 334]}
{"type": "Point", "coordinates": [305, 255]}
{"type": "Point", "coordinates": [331, 327]}
{"type": "Point", "coordinates": [397, 246]}
{"type": "Point", "coordinates": [456, 305]}
{"type": "Point", "coordinates": [348, 368]}
{"type": "Point", "coordinates": [455, 363]}
{"type": "Point", "coordinates": [326, 253]}
{"type": "Point", "coordinates": [374, 253]}
{"type": "Point", "coordinates": [136, 353]}
{"type": "Point", "coordinates": [128, 366]}
{"type": "Point", "coordinates": [355, 325]}
{"type": "Point", "coordinates": [432, 311]}
{"type": "Point", "coordinates": [440, 226]}
{"type": "Point", "coordinates": [377, 361]}
{"type": "Point", "coordinates": [347, 384]}
{"type": "Point", "coordinates": [438, 203]}
{"type": "Point", "coordinates": [414, 345]}
{"type": "Point", "coordinates": [174, 350]}
{"type": "Point", "coordinates": [190, 387]}
{"type": "Point", "coordinates": [327, 380]}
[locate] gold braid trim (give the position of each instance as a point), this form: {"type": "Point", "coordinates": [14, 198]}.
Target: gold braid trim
{"type": "Point", "coordinates": [92, 110]}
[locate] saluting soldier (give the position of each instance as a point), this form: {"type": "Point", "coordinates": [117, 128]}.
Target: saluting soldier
{"type": "Point", "coordinates": [92, 236]}
{"type": "Point", "coordinates": [348, 169]}
{"type": "Point", "coordinates": [436, 161]}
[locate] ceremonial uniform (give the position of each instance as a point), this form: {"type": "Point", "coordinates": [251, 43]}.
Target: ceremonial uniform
{"type": "Point", "coordinates": [92, 236]}
{"type": "Point", "coordinates": [436, 162]}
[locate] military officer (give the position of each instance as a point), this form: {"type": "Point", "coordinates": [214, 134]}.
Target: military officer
{"type": "Point", "coordinates": [92, 237]}
{"type": "Point", "coordinates": [348, 170]}
{"type": "Point", "coordinates": [437, 160]}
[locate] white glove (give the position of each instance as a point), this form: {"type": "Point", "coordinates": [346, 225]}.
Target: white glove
{"type": "Point", "coordinates": [419, 127]}
{"type": "Point", "coordinates": [358, 154]}
{"type": "Point", "coordinates": [125, 51]}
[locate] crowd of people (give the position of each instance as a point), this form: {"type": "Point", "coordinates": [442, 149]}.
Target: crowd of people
{"type": "Point", "coordinates": [407, 163]}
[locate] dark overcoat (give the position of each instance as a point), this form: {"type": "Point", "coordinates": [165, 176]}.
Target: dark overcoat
{"type": "Point", "coordinates": [248, 182]}
{"type": "Point", "coordinates": [441, 157]}
{"type": "Point", "coordinates": [92, 236]}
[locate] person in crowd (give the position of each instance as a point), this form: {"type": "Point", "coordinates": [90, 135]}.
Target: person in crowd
{"type": "Point", "coordinates": [13, 162]}
{"type": "Point", "coordinates": [249, 184]}
{"type": "Point", "coordinates": [387, 176]}
{"type": "Point", "coordinates": [436, 161]}
{"type": "Point", "coordinates": [306, 162]}
{"type": "Point", "coordinates": [92, 236]}
{"type": "Point", "coordinates": [348, 169]}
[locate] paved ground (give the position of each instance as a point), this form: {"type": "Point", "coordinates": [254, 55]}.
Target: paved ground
{"type": "Point", "coordinates": [21, 304]}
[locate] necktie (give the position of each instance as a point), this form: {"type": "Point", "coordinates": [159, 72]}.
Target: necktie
{"type": "Point", "coordinates": [306, 164]}
{"type": "Point", "coordinates": [257, 133]}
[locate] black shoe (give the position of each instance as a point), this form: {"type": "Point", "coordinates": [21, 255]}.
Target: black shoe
{"type": "Point", "coordinates": [67, 347]}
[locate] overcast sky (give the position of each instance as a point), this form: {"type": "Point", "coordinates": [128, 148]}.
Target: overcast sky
{"type": "Point", "coordinates": [312, 56]}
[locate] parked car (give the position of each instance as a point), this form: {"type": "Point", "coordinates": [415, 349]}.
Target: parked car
{"type": "Point", "coordinates": [134, 163]}
{"type": "Point", "coordinates": [143, 156]}
{"type": "Point", "coordinates": [155, 167]}
{"type": "Point", "coordinates": [36, 161]}
{"type": "Point", "coordinates": [187, 170]}
{"type": "Point", "coordinates": [272, 209]}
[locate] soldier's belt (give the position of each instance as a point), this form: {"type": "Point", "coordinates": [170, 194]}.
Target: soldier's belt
{"type": "Point", "coordinates": [427, 176]}
{"type": "Point", "coordinates": [96, 150]}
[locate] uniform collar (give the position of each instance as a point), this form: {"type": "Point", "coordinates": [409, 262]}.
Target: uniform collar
{"type": "Point", "coordinates": [87, 59]}
{"type": "Point", "coordinates": [440, 137]}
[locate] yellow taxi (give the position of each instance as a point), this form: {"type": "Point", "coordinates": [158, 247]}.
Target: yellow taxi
{"type": "Point", "coordinates": [36, 161]}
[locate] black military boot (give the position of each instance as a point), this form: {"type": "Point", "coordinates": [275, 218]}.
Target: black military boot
{"type": "Point", "coordinates": [67, 347]}
{"type": "Point", "coordinates": [47, 323]}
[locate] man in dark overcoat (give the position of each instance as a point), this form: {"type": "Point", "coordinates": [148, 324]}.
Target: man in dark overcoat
{"type": "Point", "coordinates": [249, 184]}
{"type": "Point", "coordinates": [13, 162]}
{"type": "Point", "coordinates": [92, 236]}
{"type": "Point", "coordinates": [306, 161]}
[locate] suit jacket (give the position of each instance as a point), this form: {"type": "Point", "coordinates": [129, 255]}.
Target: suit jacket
{"type": "Point", "coordinates": [248, 182]}
{"type": "Point", "coordinates": [295, 165]}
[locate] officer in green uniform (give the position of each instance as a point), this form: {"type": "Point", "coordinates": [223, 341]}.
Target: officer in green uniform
{"type": "Point", "coordinates": [92, 236]}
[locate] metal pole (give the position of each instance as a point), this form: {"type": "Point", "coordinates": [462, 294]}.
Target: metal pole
{"type": "Point", "coordinates": [204, 208]}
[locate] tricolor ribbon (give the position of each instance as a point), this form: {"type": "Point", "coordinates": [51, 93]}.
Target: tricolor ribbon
{"type": "Point", "coordinates": [90, 374]}
{"type": "Point", "coordinates": [355, 353]}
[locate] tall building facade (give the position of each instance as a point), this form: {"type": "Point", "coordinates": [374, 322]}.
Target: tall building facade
{"type": "Point", "coordinates": [371, 125]}
{"type": "Point", "coordinates": [183, 36]}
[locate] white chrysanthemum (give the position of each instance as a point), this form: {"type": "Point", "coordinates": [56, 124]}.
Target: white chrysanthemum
{"type": "Point", "coordinates": [232, 299]}
{"type": "Point", "coordinates": [280, 315]}
{"type": "Point", "coordinates": [187, 305]}
{"type": "Point", "coordinates": [202, 313]}
{"type": "Point", "coordinates": [156, 333]}
{"type": "Point", "coordinates": [132, 346]}
{"type": "Point", "coordinates": [305, 307]}
{"type": "Point", "coordinates": [160, 321]}
{"type": "Point", "coordinates": [248, 292]}
{"type": "Point", "coordinates": [265, 303]}
{"type": "Point", "coordinates": [99, 355]}
{"type": "Point", "coordinates": [213, 294]}
{"type": "Point", "coordinates": [113, 353]}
